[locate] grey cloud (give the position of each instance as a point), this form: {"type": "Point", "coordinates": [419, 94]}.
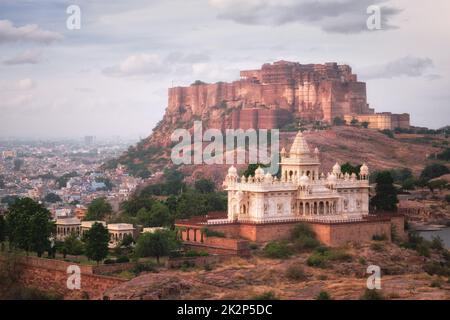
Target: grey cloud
{"type": "Point", "coordinates": [26, 33]}
{"type": "Point", "coordinates": [406, 66]}
{"type": "Point", "coordinates": [27, 57]}
{"type": "Point", "coordinates": [345, 16]}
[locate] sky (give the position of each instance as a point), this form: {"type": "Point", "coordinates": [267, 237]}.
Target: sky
{"type": "Point", "coordinates": [110, 77]}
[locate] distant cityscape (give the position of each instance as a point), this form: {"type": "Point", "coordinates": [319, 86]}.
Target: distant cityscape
{"type": "Point", "coordinates": [64, 175]}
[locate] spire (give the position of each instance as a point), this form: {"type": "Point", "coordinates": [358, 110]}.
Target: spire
{"type": "Point", "coordinates": [299, 146]}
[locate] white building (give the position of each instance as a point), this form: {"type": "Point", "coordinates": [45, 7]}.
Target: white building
{"type": "Point", "coordinates": [302, 193]}
{"type": "Point", "coordinates": [117, 231]}
{"type": "Point", "coordinates": [67, 226]}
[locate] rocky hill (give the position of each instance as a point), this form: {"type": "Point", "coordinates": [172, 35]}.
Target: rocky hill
{"type": "Point", "coordinates": [336, 144]}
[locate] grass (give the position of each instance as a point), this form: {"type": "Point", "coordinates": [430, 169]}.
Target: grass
{"type": "Point", "coordinates": [267, 295]}
{"type": "Point", "coordinates": [277, 250]}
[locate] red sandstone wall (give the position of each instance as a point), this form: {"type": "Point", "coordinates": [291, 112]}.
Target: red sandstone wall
{"type": "Point", "coordinates": [51, 275]}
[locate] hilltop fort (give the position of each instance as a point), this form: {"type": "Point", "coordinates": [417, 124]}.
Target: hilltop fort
{"type": "Point", "coordinates": [272, 96]}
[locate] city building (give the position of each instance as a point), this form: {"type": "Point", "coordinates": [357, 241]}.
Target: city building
{"type": "Point", "coordinates": [67, 226]}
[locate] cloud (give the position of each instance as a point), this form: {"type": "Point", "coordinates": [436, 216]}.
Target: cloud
{"type": "Point", "coordinates": [406, 67]}
{"type": "Point", "coordinates": [26, 84]}
{"type": "Point", "coordinates": [151, 64]}
{"type": "Point", "coordinates": [137, 64]}
{"type": "Point", "coordinates": [343, 16]}
{"type": "Point", "coordinates": [26, 57]}
{"type": "Point", "coordinates": [26, 33]}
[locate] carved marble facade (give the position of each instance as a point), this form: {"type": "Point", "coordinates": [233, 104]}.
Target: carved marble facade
{"type": "Point", "coordinates": [301, 193]}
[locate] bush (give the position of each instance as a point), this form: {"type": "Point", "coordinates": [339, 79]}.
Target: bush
{"type": "Point", "coordinates": [323, 295]}
{"type": "Point", "coordinates": [193, 253]}
{"type": "Point", "coordinates": [436, 268]}
{"type": "Point", "coordinates": [378, 237]}
{"type": "Point", "coordinates": [437, 283]}
{"type": "Point", "coordinates": [213, 233]}
{"type": "Point", "coordinates": [122, 259]}
{"type": "Point", "coordinates": [304, 237]}
{"type": "Point", "coordinates": [296, 273]}
{"type": "Point", "coordinates": [268, 295]}
{"type": "Point", "coordinates": [372, 295]}
{"type": "Point", "coordinates": [377, 247]}
{"type": "Point", "coordinates": [144, 267]}
{"type": "Point", "coordinates": [277, 250]}
{"type": "Point", "coordinates": [317, 260]}
{"type": "Point", "coordinates": [322, 255]}
{"type": "Point", "coordinates": [437, 244]}
{"type": "Point", "coordinates": [388, 133]}
{"type": "Point", "coordinates": [447, 198]}
{"type": "Point", "coordinates": [109, 261]}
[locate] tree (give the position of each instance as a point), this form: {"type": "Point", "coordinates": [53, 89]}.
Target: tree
{"type": "Point", "coordinates": [433, 171]}
{"type": "Point", "coordinates": [52, 198]}
{"type": "Point", "coordinates": [354, 122]}
{"type": "Point", "coordinates": [72, 245]}
{"type": "Point", "coordinates": [157, 244]}
{"type": "Point", "coordinates": [2, 232]}
{"type": "Point", "coordinates": [386, 194]}
{"type": "Point", "coordinates": [348, 168]}
{"type": "Point", "coordinates": [437, 184]}
{"type": "Point", "coordinates": [205, 186]}
{"type": "Point", "coordinates": [98, 209]}
{"type": "Point", "coordinates": [250, 171]}
{"type": "Point", "coordinates": [29, 226]}
{"type": "Point", "coordinates": [41, 230]}
{"type": "Point", "coordinates": [190, 204]}
{"type": "Point", "coordinates": [97, 239]}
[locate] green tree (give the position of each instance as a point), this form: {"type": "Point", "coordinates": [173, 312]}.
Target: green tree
{"type": "Point", "coordinates": [98, 209]}
{"type": "Point", "coordinates": [348, 168]}
{"type": "Point", "coordinates": [190, 204]}
{"type": "Point", "coordinates": [354, 122]}
{"type": "Point", "coordinates": [205, 186]}
{"type": "Point", "coordinates": [433, 171]}
{"type": "Point", "coordinates": [2, 233]}
{"type": "Point", "coordinates": [157, 216]}
{"type": "Point", "coordinates": [72, 245]}
{"type": "Point", "coordinates": [97, 239]}
{"type": "Point", "coordinates": [437, 184]}
{"type": "Point", "coordinates": [29, 226]}
{"type": "Point", "coordinates": [157, 244]}
{"type": "Point", "coordinates": [52, 198]}
{"type": "Point", "coordinates": [250, 171]}
{"type": "Point", "coordinates": [386, 194]}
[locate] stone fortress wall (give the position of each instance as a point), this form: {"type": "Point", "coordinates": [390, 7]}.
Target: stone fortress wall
{"type": "Point", "coordinates": [269, 97]}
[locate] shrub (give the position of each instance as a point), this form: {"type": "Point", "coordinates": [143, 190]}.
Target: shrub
{"type": "Point", "coordinates": [372, 295]}
{"type": "Point", "coordinates": [193, 253]}
{"type": "Point", "coordinates": [317, 260]}
{"type": "Point", "coordinates": [323, 295]}
{"type": "Point", "coordinates": [277, 250]}
{"type": "Point", "coordinates": [437, 244]}
{"type": "Point", "coordinates": [122, 259]}
{"type": "Point", "coordinates": [322, 255]}
{"type": "Point", "coordinates": [435, 268]}
{"type": "Point", "coordinates": [304, 237]}
{"type": "Point", "coordinates": [377, 247]}
{"type": "Point", "coordinates": [268, 295]}
{"type": "Point", "coordinates": [447, 198]}
{"type": "Point", "coordinates": [213, 233]}
{"type": "Point", "coordinates": [296, 273]}
{"type": "Point", "coordinates": [109, 261]}
{"type": "Point", "coordinates": [388, 133]}
{"type": "Point", "coordinates": [378, 237]}
{"type": "Point", "coordinates": [436, 283]}
{"type": "Point", "coordinates": [144, 267]}
{"type": "Point", "coordinates": [253, 246]}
